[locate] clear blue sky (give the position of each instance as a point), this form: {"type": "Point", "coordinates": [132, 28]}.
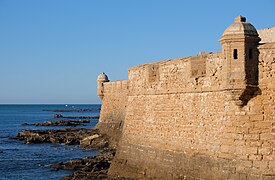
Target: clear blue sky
{"type": "Point", "coordinates": [52, 51]}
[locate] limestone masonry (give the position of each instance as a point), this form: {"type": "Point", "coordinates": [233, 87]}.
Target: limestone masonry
{"type": "Point", "coordinates": [210, 116]}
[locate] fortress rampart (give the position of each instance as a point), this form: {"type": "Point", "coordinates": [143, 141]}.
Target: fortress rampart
{"type": "Point", "coordinates": [267, 35]}
{"type": "Point", "coordinates": [192, 74]}
{"type": "Point", "coordinates": [209, 116]}
{"type": "Point", "coordinates": [112, 114]}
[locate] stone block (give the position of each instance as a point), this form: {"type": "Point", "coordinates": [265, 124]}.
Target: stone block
{"type": "Point", "coordinates": [254, 157]}
{"type": "Point", "coordinates": [252, 137]}
{"type": "Point", "coordinates": [257, 117]}
{"type": "Point", "coordinates": [247, 150]}
{"type": "Point", "coordinates": [245, 164]}
{"type": "Point", "coordinates": [260, 164]}
{"type": "Point", "coordinates": [265, 136]}
{"type": "Point", "coordinates": [227, 149]}
{"type": "Point", "coordinates": [226, 155]}
{"type": "Point", "coordinates": [255, 143]}
{"type": "Point", "coordinates": [265, 150]}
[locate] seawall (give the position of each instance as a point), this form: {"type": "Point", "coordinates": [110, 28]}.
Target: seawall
{"type": "Point", "coordinates": [209, 116]}
{"type": "Point", "coordinates": [113, 110]}
{"type": "Point", "coordinates": [179, 133]}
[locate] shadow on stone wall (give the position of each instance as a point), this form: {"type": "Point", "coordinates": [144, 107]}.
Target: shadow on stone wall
{"type": "Point", "coordinates": [249, 93]}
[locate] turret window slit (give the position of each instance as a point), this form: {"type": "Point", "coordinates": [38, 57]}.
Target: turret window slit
{"type": "Point", "coordinates": [250, 54]}
{"type": "Point", "coordinates": [235, 54]}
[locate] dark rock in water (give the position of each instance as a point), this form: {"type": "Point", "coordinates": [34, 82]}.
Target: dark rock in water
{"type": "Point", "coordinates": [57, 116]}
{"type": "Point", "coordinates": [60, 123]}
{"type": "Point", "coordinates": [81, 117]}
{"type": "Point", "coordinates": [70, 136]}
{"type": "Point", "coordinates": [88, 167]}
{"type": "Point", "coordinates": [75, 117]}
{"type": "Point", "coordinates": [27, 124]}
{"type": "Point", "coordinates": [85, 168]}
{"type": "Point", "coordinates": [64, 123]}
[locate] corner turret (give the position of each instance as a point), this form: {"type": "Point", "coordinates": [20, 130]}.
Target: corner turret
{"type": "Point", "coordinates": [101, 79]}
{"type": "Point", "coordinates": [239, 48]}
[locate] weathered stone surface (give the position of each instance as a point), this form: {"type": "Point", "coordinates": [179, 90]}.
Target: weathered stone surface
{"type": "Point", "coordinates": [113, 110]}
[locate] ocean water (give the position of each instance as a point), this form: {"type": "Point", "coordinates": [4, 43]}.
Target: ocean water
{"type": "Point", "coordinates": [33, 161]}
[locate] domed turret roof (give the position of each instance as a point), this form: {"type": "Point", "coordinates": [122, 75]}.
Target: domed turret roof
{"type": "Point", "coordinates": [241, 27]}
{"type": "Point", "coordinates": [102, 77]}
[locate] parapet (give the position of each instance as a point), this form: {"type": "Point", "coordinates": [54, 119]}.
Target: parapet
{"type": "Point", "coordinates": [116, 87]}
{"type": "Point", "coordinates": [267, 35]}
{"type": "Point", "coordinates": [189, 74]}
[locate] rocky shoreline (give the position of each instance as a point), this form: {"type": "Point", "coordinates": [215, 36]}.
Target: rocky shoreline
{"type": "Point", "coordinates": [60, 123]}
{"type": "Point", "coordinates": [84, 168]}
{"type": "Point", "coordinates": [89, 167]}
{"type": "Point", "coordinates": [65, 121]}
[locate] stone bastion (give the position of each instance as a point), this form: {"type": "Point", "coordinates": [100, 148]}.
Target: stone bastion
{"type": "Point", "coordinates": [209, 116]}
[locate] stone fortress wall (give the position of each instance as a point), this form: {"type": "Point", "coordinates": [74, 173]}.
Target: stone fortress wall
{"type": "Point", "coordinates": [113, 108]}
{"type": "Point", "coordinates": [209, 116]}
{"type": "Point", "coordinates": [267, 35]}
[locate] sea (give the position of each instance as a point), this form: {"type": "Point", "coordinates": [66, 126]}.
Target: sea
{"type": "Point", "coordinates": [33, 161]}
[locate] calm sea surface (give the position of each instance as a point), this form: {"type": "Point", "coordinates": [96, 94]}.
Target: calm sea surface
{"type": "Point", "coordinates": [33, 161]}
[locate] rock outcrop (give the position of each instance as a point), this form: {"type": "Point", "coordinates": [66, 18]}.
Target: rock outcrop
{"type": "Point", "coordinates": [70, 136]}
{"type": "Point", "coordinates": [85, 168]}
{"type": "Point", "coordinates": [60, 123]}
{"type": "Point", "coordinates": [89, 167]}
